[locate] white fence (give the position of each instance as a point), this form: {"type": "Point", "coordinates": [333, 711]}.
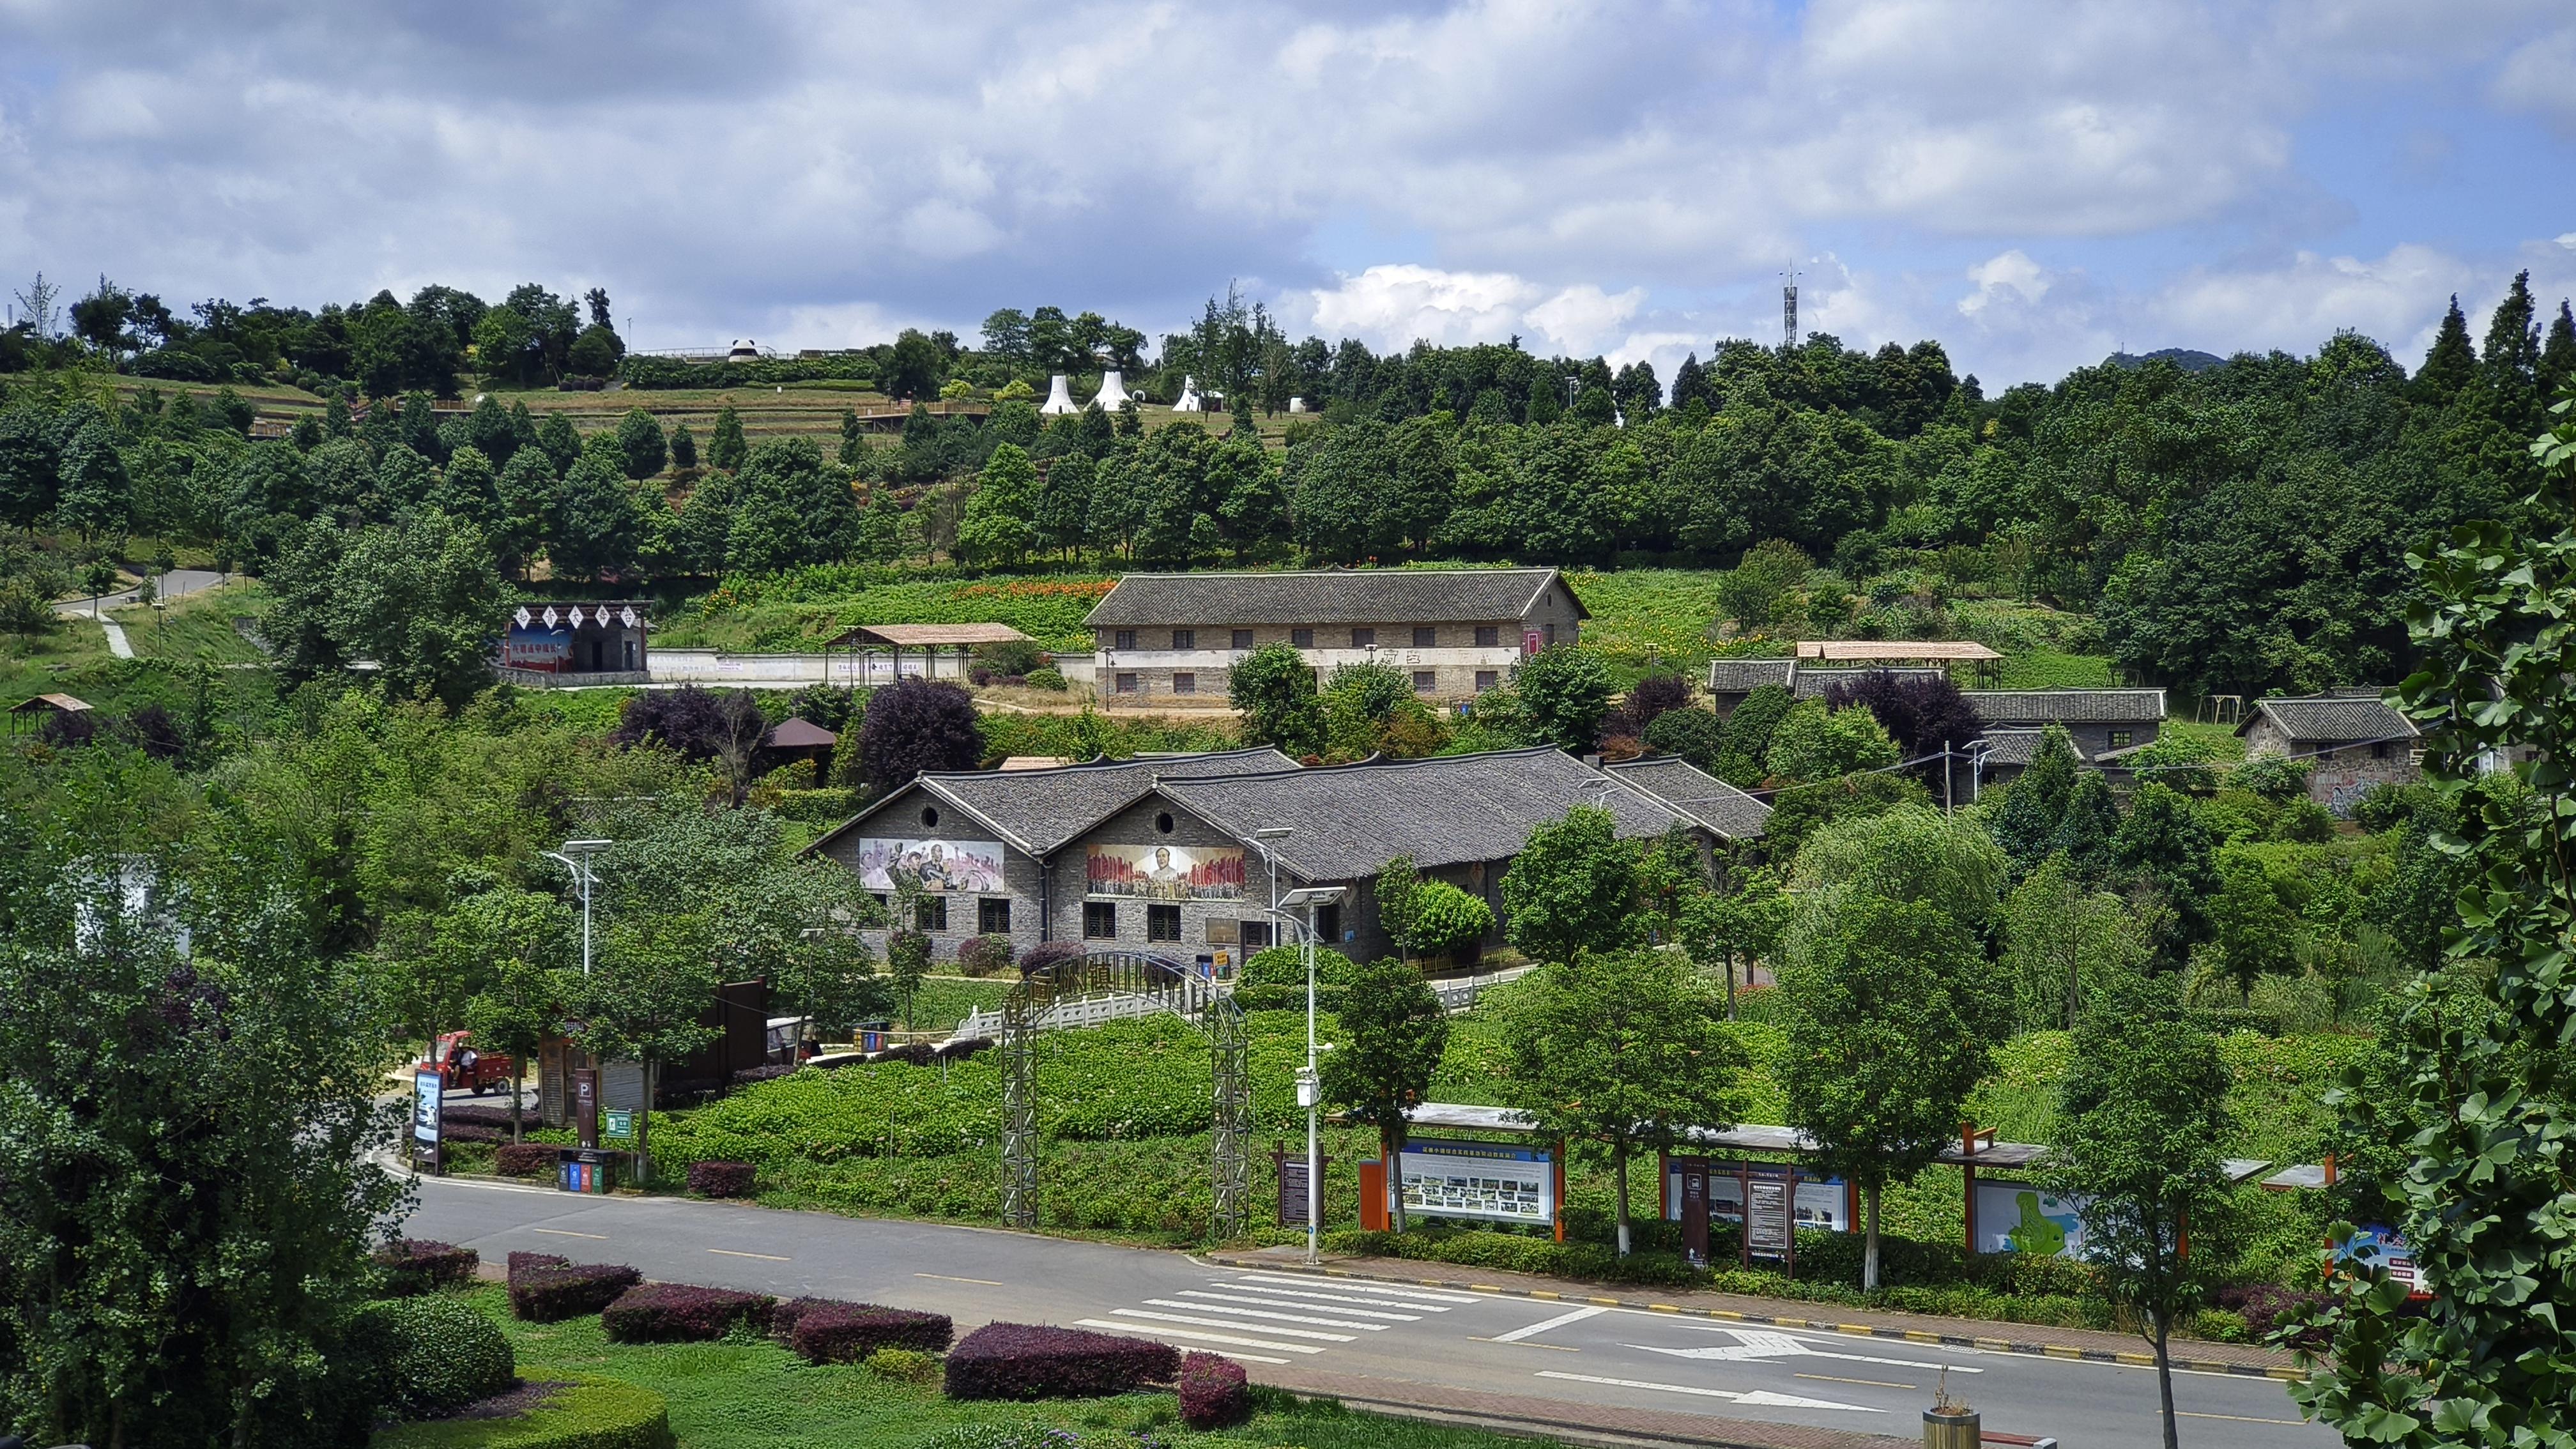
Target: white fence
{"type": "Point", "coordinates": [1081, 1011]}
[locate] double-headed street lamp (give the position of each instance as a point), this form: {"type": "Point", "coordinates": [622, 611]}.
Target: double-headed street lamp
{"type": "Point", "coordinates": [581, 873]}
{"type": "Point", "coordinates": [1310, 1082]}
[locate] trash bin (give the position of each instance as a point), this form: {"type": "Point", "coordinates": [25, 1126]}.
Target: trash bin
{"type": "Point", "coordinates": [589, 1169]}
{"type": "Point", "coordinates": [1950, 1428]}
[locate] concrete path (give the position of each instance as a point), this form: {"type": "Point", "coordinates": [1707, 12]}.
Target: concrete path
{"type": "Point", "coordinates": [117, 643]}
{"type": "Point", "coordinates": [176, 584]}
{"type": "Point", "coordinates": [1616, 1368]}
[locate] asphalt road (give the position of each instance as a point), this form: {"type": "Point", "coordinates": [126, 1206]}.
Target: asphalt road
{"type": "Point", "coordinates": [1577, 1356]}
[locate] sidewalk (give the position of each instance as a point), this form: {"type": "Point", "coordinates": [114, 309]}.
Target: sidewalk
{"type": "Point", "coordinates": [1558, 1419]}
{"type": "Point", "coordinates": [2249, 1360]}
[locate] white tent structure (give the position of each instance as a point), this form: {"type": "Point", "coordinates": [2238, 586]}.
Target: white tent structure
{"type": "Point", "coordinates": [1296, 404]}
{"type": "Point", "coordinates": [1059, 397]}
{"type": "Point", "coordinates": [1189, 402]}
{"type": "Point", "coordinates": [1113, 391]}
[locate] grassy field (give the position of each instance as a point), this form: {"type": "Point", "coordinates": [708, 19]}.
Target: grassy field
{"type": "Point", "coordinates": [748, 1393]}
{"type": "Point", "coordinates": [198, 628]}
{"type": "Point", "coordinates": [801, 610]}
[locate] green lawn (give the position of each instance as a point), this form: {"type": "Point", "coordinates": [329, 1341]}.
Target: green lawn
{"type": "Point", "coordinates": [747, 1393]}
{"type": "Point", "coordinates": [198, 628]}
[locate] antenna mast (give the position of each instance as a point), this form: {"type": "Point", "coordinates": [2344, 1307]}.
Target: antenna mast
{"type": "Point", "coordinates": [1789, 308]}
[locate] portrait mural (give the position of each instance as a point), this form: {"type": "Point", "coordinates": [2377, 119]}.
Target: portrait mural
{"type": "Point", "coordinates": [935, 865]}
{"type": "Point", "coordinates": [1166, 872]}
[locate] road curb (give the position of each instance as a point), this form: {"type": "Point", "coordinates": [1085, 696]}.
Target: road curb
{"type": "Point", "coordinates": [2026, 1348]}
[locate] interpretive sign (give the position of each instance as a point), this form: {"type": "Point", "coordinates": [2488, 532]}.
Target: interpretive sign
{"type": "Point", "coordinates": [1479, 1180]}
{"type": "Point", "coordinates": [2020, 1217]}
{"type": "Point", "coordinates": [538, 645]}
{"type": "Point", "coordinates": [1291, 1171]}
{"type": "Point", "coordinates": [934, 865]}
{"type": "Point", "coordinates": [614, 1123]}
{"type": "Point", "coordinates": [1822, 1203]}
{"type": "Point", "coordinates": [1165, 872]}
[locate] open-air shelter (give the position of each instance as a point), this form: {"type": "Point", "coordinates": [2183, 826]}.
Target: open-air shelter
{"type": "Point", "coordinates": [877, 650]}
{"type": "Point", "coordinates": [34, 709]}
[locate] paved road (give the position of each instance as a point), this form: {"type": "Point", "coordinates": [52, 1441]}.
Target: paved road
{"type": "Point", "coordinates": [1577, 1356]}
{"type": "Point", "coordinates": [176, 584]}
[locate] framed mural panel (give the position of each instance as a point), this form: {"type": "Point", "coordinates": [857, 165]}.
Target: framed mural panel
{"type": "Point", "coordinates": [546, 648]}
{"type": "Point", "coordinates": [1165, 872]}
{"type": "Point", "coordinates": [1478, 1180]}
{"type": "Point", "coordinates": [2021, 1217]}
{"type": "Point", "coordinates": [973, 866]}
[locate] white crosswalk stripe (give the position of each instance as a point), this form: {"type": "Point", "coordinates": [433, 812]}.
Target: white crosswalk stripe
{"type": "Point", "coordinates": [1188, 1335]}
{"type": "Point", "coordinates": [1357, 1285]}
{"type": "Point", "coordinates": [1267, 1314]}
{"type": "Point", "coordinates": [1264, 1300]}
{"type": "Point", "coordinates": [1311, 1333]}
{"type": "Point", "coordinates": [1302, 1296]}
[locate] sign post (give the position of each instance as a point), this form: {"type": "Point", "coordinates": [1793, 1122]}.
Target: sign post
{"type": "Point", "coordinates": [585, 1106]}
{"type": "Point", "coordinates": [428, 1087]}
{"type": "Point", "coordinates": [1293, 1197]}
{"type": "Point", "coordinates": [1694, 1209]}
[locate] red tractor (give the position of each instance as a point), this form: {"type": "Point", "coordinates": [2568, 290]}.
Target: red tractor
{"type": "Point", "coordinates": [461, 1068]}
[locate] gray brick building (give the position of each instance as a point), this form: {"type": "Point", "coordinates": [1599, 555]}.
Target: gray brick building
{"type": "Point", "coordinates": [2349, 739]}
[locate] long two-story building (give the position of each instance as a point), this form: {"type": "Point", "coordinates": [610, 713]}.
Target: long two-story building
{"type": "Point", "coordinates": [1454, 632]}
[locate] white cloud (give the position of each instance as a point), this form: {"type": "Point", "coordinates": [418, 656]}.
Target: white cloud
{"type": "Point", "coordinates": [1389, 306]}
{"type": "Point", "coordinates": [2540, 77]}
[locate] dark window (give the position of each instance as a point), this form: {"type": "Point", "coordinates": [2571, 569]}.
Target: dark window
{"type": "Point", "coordinates": [1126, 684]}
{"type": "Point", "coordinates": [2120, 739]}
{"type": "Point", "coordinates": [1100, 920]}
{"type": "Point", "coordinates": [993, 916]}
{"type": "Point", "coordinates": [1163, 822]}
{"type": "Point", "coordinates": [1425, 637]}
{"type": "Point", "coordinates": [1328, 922]}
{"type": "Point", "coordinates": [1126, 638]}
{"type": "Point", "coordinates": [1422, 681]}
{"type": "Point", "coordinates": [1185, 638]}
{"type": "Point", "coordinates": [1489, 636]}
{"type": "Point", "coordinates": [930, 815]}
{"type": "Point", "coordinates": [2379, 751]}
{"type": "Point", "coordinates": [1301, 638]}
{"type": "Point", "coordinates": [1242, 638]}
{"type": "Point", "coordinates": [1487, 679]}
{"type": "Point", "coordinates": [1547, 636]}
{"type": "Point", "coordinates": [1162, 923]}
{"type": "Point", "coordinates": [1256, 935]}
{"type": "Point", "coordinates": [881, 900]}
{"type": "Point", "coordinates": [930, 913]}
{"type": "Point", "coordinates": [1184, 682]}
{"type": "Point", "coordinates": [1363, 638]}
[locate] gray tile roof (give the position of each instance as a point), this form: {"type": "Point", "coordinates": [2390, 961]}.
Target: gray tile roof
{"type": "Point", "coordinates": [1325, 596]}
{"type": "Point", "coordinates": [2329, 718]}
{"type": "Point", "coordinates": [1703, 797]}
{"type": "Point", "coordinates": [2066, 706]}
{"type": "Point", "coordinates": [1812, 683]}
{"type": "Point", "coordinates": [1348, 820]}
{"type": "Point", "coordinates": [1037, 811]}
{"type": "Point", "coordinates": [1743, 676]}
{"type": "Point", "coordinates": [2016, 748]}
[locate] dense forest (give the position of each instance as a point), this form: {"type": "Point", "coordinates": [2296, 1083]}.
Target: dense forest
{"type": "Point", "coordinates": [2241, 526]}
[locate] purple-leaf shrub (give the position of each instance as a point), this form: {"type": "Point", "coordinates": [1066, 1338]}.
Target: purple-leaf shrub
{"type": "Point", "coordinates": [547, 1289]}
{"type": "Point", "coordinates": [1214, 1392]}
{"type": "Point", "coordinates": [681, 1313]}
{"type": "Point", "coordinates": [1027, 1361]}
{"type": "Point", "coordinates": [526, 1159]}
{"type": "Point", "coordinates": [827, 1332]}
{"type": "Point", "coordinates": [720, 1179]}
{"type": "Point", "coordinates": [417, 1265]}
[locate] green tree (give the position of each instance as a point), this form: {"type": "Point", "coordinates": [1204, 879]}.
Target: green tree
{"type": "Point", "coordinates": [423, 600]}
{"type": "Point", "coordinates": [1740, 924]}
{"type": "Point", "coordinates": [913, 367]}
{"type": "Point", "coordinates": [1742, 758]}
{"type": "Point", "coordinates": [1622, 1049]}
{"type": "Point", "coordinates": [684, 447]}
{"type": "Point", "coordinates": [2064, 946]}
{"type": "Point", "coordinates": [2034, 805]}
{"type": "Point", "coordinates": [521, 944]}
{"type": "Point", "coordinates": [2253, 929]}
{"type": "Point", "coordinates": [1889, 1025]}
{"type": "Point", "coordinates": [1273, 688]}
{"type": "Point", "coordinates": [650, 983]}
{"type": "Point", "coordinates": [854, 439]}
{"type": "Point", "coordinates": [2164, 846]}
{"type": "Point", "coordinates": [1909, 853]}
{"type": "Point", "coordinates": [1564, 693]}
{"type": "Point", "coordinates": [1813, 743]}
{"type": "Point", "coordinates": [2142, 1118]}
{"type": "Point", "coordinates": [1393, 1033]}
{"type": "Point", "coordinates": [1447, 921]}
{"type": "Point", "coordinates": [640, 438]}
{"type": "Point", "coordinates": [595, 527]}
{"type": "Point", "coordinates": [726, 448]}
{"type": "Point", "coordinates": [1397, 884]}
{"type": "Point", "coordinates": [1001, 516]}
{"type": "Point", "coordinates": [1573, 888]}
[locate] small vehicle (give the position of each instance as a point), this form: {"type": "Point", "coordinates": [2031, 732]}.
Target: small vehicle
{"type": "Point", "coordinates": [461, 1068]}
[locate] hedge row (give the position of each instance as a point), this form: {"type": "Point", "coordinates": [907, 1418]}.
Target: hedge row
{"type": "Point", "coordinates": [467, 1114]}
{"type": "Point", "coordinates": [547, 1289]}
{"type": "Point", "coordinates": [1214, 1392]}
{"type": "Point", "coordinates": [671, 372]}
{"type": "Point", "coordinates": [822, 1331]}
{"type": "Point", "coordinates": [417, 1265]}
{"type": "Point", "coordinates": [681, 1313]}
{"type": "Point", "coordinates": [586, 1412]}
{"type": "Point", "coordinates": [526, 1159]}
{"type": "Point", "coordinates": [1026, 1361]}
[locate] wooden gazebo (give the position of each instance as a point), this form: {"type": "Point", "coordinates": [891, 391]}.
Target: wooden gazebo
{"type": "Point", "coordinates": [869, 644]}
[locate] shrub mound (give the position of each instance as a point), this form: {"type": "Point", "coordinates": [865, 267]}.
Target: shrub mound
{"type": "Point", "coordinates": [1027, 1361]}
{"type": "Point", "coordinates": [720, 1179]}
{"type": "Point", "coordinates": [587, 1412]}
{"type": "Point", "coordinates": [467, 1114]}
{"type": "Point", "coordinates": [417, 1265]}
{"type": "Point", "coordinates": [1214, 1392]}
{"type": "Point", "coordinates": [822, 1331]}
{"type": "Point", "coordinates": [435, 1354]}
{"type": "Point", "coordinates": [526, 1159]}
{"type": "Point", "coordinates": [469, 1132]}
{"type": "Point", "coordinates": [681, 1313]}
{"type": "Point", "coordinates": [2267, 1306]}
{"type": "Point", "coordinates": [548, 1289]}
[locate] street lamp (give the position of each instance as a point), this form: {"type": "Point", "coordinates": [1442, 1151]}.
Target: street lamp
{"type": "Point", "coordinates": [1310, 1083]}
{"type": "Point", "coordinates": [1261, 842]}
{"type": "Point", "coordinates": [581, 873]}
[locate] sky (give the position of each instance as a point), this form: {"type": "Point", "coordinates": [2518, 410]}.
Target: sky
{"type": "Point", "coordinates": [2033, 184]}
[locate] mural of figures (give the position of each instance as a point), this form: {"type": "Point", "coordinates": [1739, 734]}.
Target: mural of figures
{"type": "Point", "coordinates": [938, 865]}
{"type": "Point", "coordinates": [1166, 872]}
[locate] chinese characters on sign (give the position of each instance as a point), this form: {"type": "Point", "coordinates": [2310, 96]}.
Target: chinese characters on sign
{"type": "Point", "coordinates": [1479, 1180]}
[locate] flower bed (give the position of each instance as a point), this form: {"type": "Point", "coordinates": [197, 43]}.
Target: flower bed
{"type": "Point", "coordinates": [548, 1289]}
{"type": "Point", "coordinates": [681, 1313]}
{"type": "Point", "coordinates": [1026, 1361]}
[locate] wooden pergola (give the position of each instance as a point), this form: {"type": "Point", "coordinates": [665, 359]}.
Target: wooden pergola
{"type": "Point", "coordinates": [926, 641]}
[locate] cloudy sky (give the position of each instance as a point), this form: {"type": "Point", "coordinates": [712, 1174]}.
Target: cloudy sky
{"type": "Point", "coordinates": [2033, 184]}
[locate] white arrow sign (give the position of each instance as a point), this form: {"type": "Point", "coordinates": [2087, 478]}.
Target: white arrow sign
{"type": "Point", "coordinates": [1760, 1398]}
{"type": "Point", "coordinates": [1758, 1345]}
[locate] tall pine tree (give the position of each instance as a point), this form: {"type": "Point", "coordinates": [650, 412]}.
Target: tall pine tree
{"type": "Point", "coordinates": [2510, 365]}
{"type": "Point", "coordinates": [2451, 363]}
{"type": "Point", "coordinates": [2558, 354]}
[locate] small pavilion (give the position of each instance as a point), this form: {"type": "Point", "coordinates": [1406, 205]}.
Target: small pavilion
{"type": "Point", "coordinates": [877, 651]}
{"type": "Point", "coordinates": [36, 708]}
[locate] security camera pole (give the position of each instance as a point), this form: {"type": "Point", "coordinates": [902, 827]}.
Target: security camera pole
{"type": "Point", "coordinates": [1310, 1084]}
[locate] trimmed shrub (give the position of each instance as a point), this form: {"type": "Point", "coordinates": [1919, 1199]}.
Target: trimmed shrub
{"type": "Point", "coordinates": [468, 1132]}
{"type": "Point", "coordinates": [417, 1265]}
{"type": "Point", "coordinates": [985, 956]}
{"type": "Point", "coordinates": [1047, 955]}
{"type": "Point", "coordinates": [2267, 1306]}
{"type": "Point", "coordinates": [720, 1179]}
{"type": "Point", "coordinates": [585, 1413]}
{"type": "Point", "coordinates": [907, 1365]}
{"type": "Point", "coordinates": [438, 1354]}
{"type": "Point", "coordinates": [849, 1332]}
{"type": "Point", "coordinates": [784, 1314]}
{"type": "Point", "coordinates": [765, 1072]}
{"type": "Point", "coordinates": [467, 1114]}
{"type": "Point", "coordinates": [1026, 1361]}
{"type": "Point", "coordinates": [681, 1313]}
{"type": "Point", "coordinates": [911, 1054]}
{"type": "Point", "coordinates": [548, 1289]}
{"type": "Point", "coordinates": [526, 1159]}
{"type": "Point", "coordinates": [1214, 1392]}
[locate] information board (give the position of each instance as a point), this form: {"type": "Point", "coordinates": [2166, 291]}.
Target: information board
{"type": "Point", "coordinates": [1485, 1180]}
{"type": "Point", "coordinates": [2021, 1217]}
{"type": "Point", "coordinates": [426, 1088]}
{"type": "Point", "coordinates": [1766, 1228]}
{"type": "Point", "coordinates": [616, 1123]}
{"type": "Point", "coordinates": [1823, 1203]}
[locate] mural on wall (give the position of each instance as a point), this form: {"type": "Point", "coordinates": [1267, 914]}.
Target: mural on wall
{"type": "Point", "coordinates": [937, 865]}
{"type": "Point", "coordinates": [1166, 872]}
{"type": "Point", "coordinates": [538, 646]}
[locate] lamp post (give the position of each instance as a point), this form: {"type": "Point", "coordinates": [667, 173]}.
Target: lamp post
{"type": "Point", "coordinates": [581, 873]}
{"type": "Point", "coordinates": [1261, 841]}
{"type": "Point", "coordinates": [1310, 1083]}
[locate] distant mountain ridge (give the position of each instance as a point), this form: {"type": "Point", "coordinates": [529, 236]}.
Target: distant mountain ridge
{"type": "Point", "coordinates": [2189, 359]}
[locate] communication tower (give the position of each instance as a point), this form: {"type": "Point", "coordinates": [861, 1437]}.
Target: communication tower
{"type": "Point", "coordinates": [1789, 309]}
